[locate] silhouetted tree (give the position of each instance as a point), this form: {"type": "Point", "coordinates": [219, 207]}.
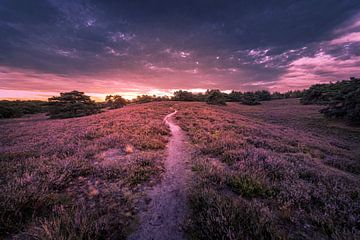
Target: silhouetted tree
{"type": "Point", "coordinates": [71, 104]}
{"type": "Point", "coordinates": [115, 101]}
{"type": "Point", "coordinates": [215, 97]}
{"type": "Point", "coordinates": [249, 98]}
{"type": "Point", "coordinates": [183, 96]}
{"type": "Point", "coordinates": [234, 96]}
{"type": "Point", "coordinates": [144, 99]}
{"type": "Point", "coordinates": [12, 109]}
{"type": "Point", "coordinates": [263, 95]}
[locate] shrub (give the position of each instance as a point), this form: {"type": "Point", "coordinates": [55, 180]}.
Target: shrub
{"type": "Point", "coordinates": [342, 99]}
{"type": "Point", "coordinates": [317, 94]}
{"type": "Point", "coordinates": [72, 104]}
{"type": "Point", "coordinates": [215, 97]}
{"type": "Point", "coordinates": [234, 96]}
{"type": "Point", "coordinates": [144, 99]}
{"type": "Point", "coordinates": [248, 186]}
{"type": "Point", "coordinates": [115, 101]}
{"type": "Point", "coordinates": [9, 112]}
{"type": "Point", "coordinates": [263, 95]}
{"type": "Point", "coordinates": [249, 98]}
{"type": "Point", "coordinates": [183, 96]}
{"type": "Point", "coordinates": [12, 109]}
{"type": "Point", "coordinates": [345, 104]}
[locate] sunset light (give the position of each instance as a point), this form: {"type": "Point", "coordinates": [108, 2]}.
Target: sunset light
{"type": "Point", "coordinates": [179, 119]}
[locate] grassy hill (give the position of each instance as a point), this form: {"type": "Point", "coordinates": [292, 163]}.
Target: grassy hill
{"type": "Point", "coordinates": [279, 170]}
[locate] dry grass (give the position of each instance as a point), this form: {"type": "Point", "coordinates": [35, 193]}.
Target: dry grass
{"type": "Point", "coordinates": [276, 171]}
{"type": "Point", "coordinates": [79, 178]}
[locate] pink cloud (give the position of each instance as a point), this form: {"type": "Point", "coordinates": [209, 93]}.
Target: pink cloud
{"type": "Point", "coordinates": [348, 38]}
{"type": "Point", "coordinates": [322, 67]}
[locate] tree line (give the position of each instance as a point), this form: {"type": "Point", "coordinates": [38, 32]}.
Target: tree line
{"type": "Point", "coordinates": [341, 100]}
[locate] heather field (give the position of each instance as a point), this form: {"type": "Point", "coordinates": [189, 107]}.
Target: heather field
{"type": "Point", "coordinates": [279, 170]}
{"type": "Point", "coordinates": [274, 171]}
{"type": "Point", "coordinates": [79, 178]}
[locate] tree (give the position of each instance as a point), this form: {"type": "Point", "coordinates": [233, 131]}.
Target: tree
{"type": "Point", "coordinates": [115, 101]}
{"type": "Point", "coordinates": [234, 96]}
{"type": "Point", "coordinates": [71, 104]}
{"type": "Point", "coordinates": [320, 93]}
{"type": "Point", "coordinates": [345, 102]}
{"type": "Point", "coordinates": [215, 97]}
{"type": "Point", "coordinates": [263, 95]}
{"type": "Point", "coordinates": [11, 109]}
{"type": "Point", "coordinates": [144, 99]}
{"type": "Point", "coordinates": [183, 96]}
{"type": "Point", "coordinates": [249, 98]}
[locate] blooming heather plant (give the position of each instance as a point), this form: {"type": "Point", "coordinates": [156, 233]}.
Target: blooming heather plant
{"type": "Point", "coordinates": [275, 171]}
{"type": "Point", "coordinates": [78, 178]}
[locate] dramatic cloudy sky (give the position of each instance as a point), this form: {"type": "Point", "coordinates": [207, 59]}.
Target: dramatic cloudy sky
{"type": "Point", "coordinates": [156, 46]}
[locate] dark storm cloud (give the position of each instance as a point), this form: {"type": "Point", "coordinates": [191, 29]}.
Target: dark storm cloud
{"type": "Point", "coordinates": [228, 43]}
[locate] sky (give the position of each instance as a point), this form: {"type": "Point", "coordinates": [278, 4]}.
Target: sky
{"type": "Point", "coordinates": [133, 47]}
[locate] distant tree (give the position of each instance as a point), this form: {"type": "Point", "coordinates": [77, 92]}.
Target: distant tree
{"type": "Point", "coordinates": [71, 104]}
{"type": "Point", "coordinates": [249, 98]}
{"type": "Point", "coordinates": [7, 111]}
{"type": "Point", "coordinates": [162, 98]}
{"type": "Point", "coordinates": [277, 95]}
{"type": "Point", "coordinates": [234, 96]}
{"type": "Point", "coordinates": [200, 97]}
{"type": "Point", "coordinates": [345, 102]}
{"type": "Point", "coordinates": [263, 95]}
{"type": "Point", "coordinates": [215, 97]}
{"type": "Point", "coordinates": [295, 94]}
{"type": "Point", "coordinates": [12, 109]}
{"type": "Point", "coordinates": [144, 99]}
{"type": "Point", "coordinates": [183, 96]}
{"type": "Point", "coordinates": [115, 101]}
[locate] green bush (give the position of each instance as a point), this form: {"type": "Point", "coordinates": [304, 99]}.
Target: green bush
{"type": "Point", "coordinates": [342, 99]}
{"type": "Point", "coordinates": [215, 97]}
{"type": "Point", "coordinates": [249, 98]}
{"type": "Point", "coordinates": [234, 96]}
{"type": "Point", "coordinates": [13, 109]}
{"type": "Point", "coordinates": [263, 95]}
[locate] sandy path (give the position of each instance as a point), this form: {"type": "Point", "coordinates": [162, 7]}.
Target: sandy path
{"type": "Point", "coordinates": [167, 208]}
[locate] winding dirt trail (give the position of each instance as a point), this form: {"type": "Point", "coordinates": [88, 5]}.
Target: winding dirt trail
{"type": "Point", "coordinates": [167, 208]}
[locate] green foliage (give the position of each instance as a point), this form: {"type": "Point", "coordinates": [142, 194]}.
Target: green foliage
{"type": "Point", "coordinates": [263, 95]}
{"type": "Point", "coordinates": [342, 99]}
{"type": "Point", "coordinates": [248, 186]}
{"type": "Point", "coordinates": [319, 94]}
{"type": "Point", "coordinates": [234, 96]}
{"type": "Point", "coordinates": [12, 109]}
{"type": "Point", "coordinates": [277, 95]}
{"type": "Point", "coordinates": [148, 98]}
{"type": "Point", "coordinates": [183, 96]}
{"type": "Point", "coordinates": [249, 98]}
{"type": "Point", "coordinates": [71, 104]}
{"type": "Point", "coordinates": [115, 101]}
{"type": "Point", "coordinates": [215, 97]}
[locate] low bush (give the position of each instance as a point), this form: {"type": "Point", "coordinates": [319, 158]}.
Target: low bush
{"type": "Point", "coordinates": [13, 109]}
{"type": "Point", "coordinates": [215, 97]}
{"type": "Point", "coordinates": [249, 98]}
{"type": "Point", "coordinates": [248, 186]}
{"type": "Point", "coordinates": [342, 99]}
